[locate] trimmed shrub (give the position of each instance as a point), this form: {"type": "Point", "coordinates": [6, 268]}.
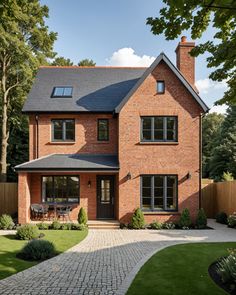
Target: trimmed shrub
{"type": "Point", "coordinates": [82, 216]}
{"type": "Point", "coordinates": [185, 220]}
{"type": "Point", "coordinates": [226, 268]}
{"type": "Point", "coordinates": [232, 220]}
{"type": "Point", "coordinates": [27, 232]}
{"type": "Point", "coordinates": [156, 225]}
{"type": "Point", "coordinates": [43, 226]}
{"type": "Point", "coordinates": [37, 250]}
{"type": "Point", "coordinates": [123, 226]}
{"type": "Point", "coordinates": [137, 221]}
{"type": "Point", "coordinates": [201, 221]}
{"type": "Point", "coordinates": [6, 222]}
{"type": "Point", "coordinates": [66, 226]}
{"type": "Point", "coordinates": [76, 226]}
{"type": "Point", "coordinates": [168, 225]}
{"type": "Point", "coordinates": [55, 225]}
{"type": "Point", "coordinates": [222, 218]}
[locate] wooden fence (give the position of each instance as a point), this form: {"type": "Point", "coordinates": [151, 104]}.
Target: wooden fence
{"type": "Point", "coordinates": [219, 197]}
{"type": "Point", "coordinates": [8, 198]}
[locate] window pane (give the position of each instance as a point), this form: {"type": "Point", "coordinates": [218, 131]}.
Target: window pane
{"type": "Point", "coordinates": [146, 203]}
{"type": "Point", "coordinates": [171, 201]}
{"type": "Point", "coordinates": [72, 188]}
{"type": "Point", "coordinates": [158, 128]}
{"type": "Point", "coordinates": [147, 135]}
{"type": "Point", "coordinates": [58, 130]}
{"type": "Point", "coordinates": [146, 181]}
{"type": "Point", "coordinates": [147, 123]}
{"type": "Point", "coordinates": [47, 189]}
{"type": "Point", "coordinates": [70, 129]}
{"type": "Point", "coordinates": [105, 191]}
{"type": "Point", "coordinates": [171, 129]}
{"type": "Point", "coordinates": [158, 203]}
{"type": "Point", "coordinates": [160, 87]}
{"type": "Point", "coordinates": [60, 186]}
{"type": "Point", "coordinates": [58, 91]}
{"type": "Point", "coordinates": [67, 91]}
{"type": "Point", "coordinates": [158, 181]}
{"type": "Point", "coordinates": [103, 130]}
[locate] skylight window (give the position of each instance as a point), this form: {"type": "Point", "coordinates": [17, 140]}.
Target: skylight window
{"type": "Point", "coordinates": [62, 92]}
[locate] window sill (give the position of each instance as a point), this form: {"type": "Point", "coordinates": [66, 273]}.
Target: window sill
{"type": "Point", "coordinates": [158, 142]}
{"type": "Point", "coordinates": [161, 213]}
{"type": "Point", "coordinates": [61, 142]}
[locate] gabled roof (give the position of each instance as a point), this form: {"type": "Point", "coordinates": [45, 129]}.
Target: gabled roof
{"type": "Point", "coordinates": [149, 70]}
{"type": "Point", "coordinates": [71, 162]}
{"type": "Point", "coordinates": [95, 89]}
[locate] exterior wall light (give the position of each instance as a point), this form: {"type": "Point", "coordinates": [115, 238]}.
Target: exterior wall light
{"type": "Point", "coordinates": [128, 176]}
{"type": "Point", "coordinates": [189, 175]}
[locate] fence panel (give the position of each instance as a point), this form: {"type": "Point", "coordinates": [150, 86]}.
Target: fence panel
{"type": "Point", "coordinates": [218, 197]}
{"type": "Point", "coordinates": [8, 198]}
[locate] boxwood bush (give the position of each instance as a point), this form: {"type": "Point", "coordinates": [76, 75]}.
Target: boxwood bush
{"type": "Point", "coordinates": [6, 222]}
{"type": "Point", "coordinates": [137, 221]}
{"type": "Point", "coordinates": [232, 220]}
{"type": "Point", "coordinates": [43, 226]}
{"type": "Point", "coordinates": [55, 225]}
{"type": "Point", "coordinates": [82, 216]}
{"type": "Point", "coordinates": [185, 220]}
{"type": "Point", "coordinates": [27, 232]}
{"type": "Point", "coordinates": [201, 221]}
{"type": "Point", "coordinates": [37, 250]}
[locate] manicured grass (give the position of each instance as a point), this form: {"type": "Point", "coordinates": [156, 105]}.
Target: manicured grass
{"type": "Point", "coordinates": [180, 270]}
{"type": "Point", "coordinates": [9, 247]}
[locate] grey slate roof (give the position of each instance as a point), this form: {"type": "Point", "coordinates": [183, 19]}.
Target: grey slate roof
{"type": "Point", "coordinates": [71, 162]}
{"type": "Point", "coordinates": [95, 89]}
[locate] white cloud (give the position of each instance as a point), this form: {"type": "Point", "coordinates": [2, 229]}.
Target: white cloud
{"type": "Point", "coordinates": [206, 85]}
{"type": "Point", "coordinates": [127, 57]}
{"type": "Point", "coordinates": [218, 109]}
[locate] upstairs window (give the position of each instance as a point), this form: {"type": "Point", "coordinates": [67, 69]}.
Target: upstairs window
{"type": "Point", "coordinates": [63, 130]}
{"type": "Point", "coordinates": [62, 92]}
{"type": "Point", "coordinates": [103, 129]}
{"type": "Point", "coordinates": [159, 129]}
{"type": "Point", "coordinates": [160, 87]}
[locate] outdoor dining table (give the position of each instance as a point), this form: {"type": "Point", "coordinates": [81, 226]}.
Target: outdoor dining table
{"type": "Point", "coordinates": [54, 207]}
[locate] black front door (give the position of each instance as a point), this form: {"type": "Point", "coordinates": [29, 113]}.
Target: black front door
{"type": "Point", "coordinates": [105, 196]}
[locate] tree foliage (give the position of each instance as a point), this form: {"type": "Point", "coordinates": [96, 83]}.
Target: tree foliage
{"type": "Point", "coordinates": [197, 16]}
{"type": "Point", "coordinates": [223, 156]}
{"type": "Point", "coordinates": [25, 43]}
{"type": "Point", "coordinates": [86, 63]}
{"type": "Point", "coordinates": [210, 128]}
{"type": "Point", "coordinates": [61, 61]}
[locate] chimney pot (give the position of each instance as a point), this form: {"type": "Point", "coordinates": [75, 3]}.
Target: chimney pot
{"type": "Point", "coordinates": [183, 39]}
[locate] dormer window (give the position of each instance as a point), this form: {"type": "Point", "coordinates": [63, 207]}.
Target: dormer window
{"type": "Point", "coordinates": [160, 87]}
{"type": "Point", "coordinates": [62, 91]}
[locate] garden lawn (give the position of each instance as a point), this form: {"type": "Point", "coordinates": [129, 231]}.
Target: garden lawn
{"type": "Point", "coordinates": [9, 247]}
{"type": "Point", "coordinates": [180, 270]}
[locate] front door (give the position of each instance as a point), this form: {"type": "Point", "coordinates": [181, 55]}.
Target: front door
{"type": "Point", "coordinates": [105, 196]}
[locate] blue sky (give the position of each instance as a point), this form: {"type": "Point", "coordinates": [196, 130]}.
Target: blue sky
{"type": "Point", "coordinates": [98, 29]}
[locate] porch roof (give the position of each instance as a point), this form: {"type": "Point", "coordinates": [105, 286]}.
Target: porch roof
{"type": "Point", "coordinates": [71, 162]}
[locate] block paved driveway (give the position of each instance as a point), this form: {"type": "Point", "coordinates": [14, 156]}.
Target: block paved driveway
{"type": "Point", "coordinates": [105, 262]}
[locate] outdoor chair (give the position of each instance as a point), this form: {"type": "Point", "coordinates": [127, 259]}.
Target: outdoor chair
{"type": "Point", "coordinates": [39, 211]}
{"type": "Point", "coordinates": [64, 212]}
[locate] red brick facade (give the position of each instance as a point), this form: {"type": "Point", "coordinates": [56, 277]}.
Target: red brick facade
{"type": "Point", "coordinates": [136, 158]}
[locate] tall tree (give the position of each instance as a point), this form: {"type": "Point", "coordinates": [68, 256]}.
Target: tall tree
{"type": "Point", "coordinates": [223, 157]}
{"type": "Point", "coordinates": [61, 61]}
{"type": "Point", "coordinates": [86, 63]}
{"type": "Point", "coordinates": [24, 43]}
{"type": "Point", "coordinates": [210, 129]}
{"type": "Point", "coordinates": [181, 15]}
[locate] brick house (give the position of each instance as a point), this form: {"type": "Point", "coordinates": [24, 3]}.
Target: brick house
{"type": "Point", "coordinates": [111, 139]}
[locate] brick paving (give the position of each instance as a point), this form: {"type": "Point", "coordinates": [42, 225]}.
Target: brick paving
{"type": "Point", "coordinates": [104, 263]}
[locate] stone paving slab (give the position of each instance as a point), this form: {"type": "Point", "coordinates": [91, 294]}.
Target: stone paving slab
{"type": "Point", "coordinates": [105, 262]}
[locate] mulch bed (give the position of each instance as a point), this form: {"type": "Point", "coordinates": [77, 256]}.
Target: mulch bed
{"type": "Point", "coordinates": [230, 288]}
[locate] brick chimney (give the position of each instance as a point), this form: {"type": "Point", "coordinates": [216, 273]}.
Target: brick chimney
{"type": "Point", "coordinates": [184, 61]}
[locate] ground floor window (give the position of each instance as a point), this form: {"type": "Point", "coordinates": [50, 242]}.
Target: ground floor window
{"type": "Point", "coordinates": [159, 192]}
{"type": "Point", "coordinates": [60, 189]}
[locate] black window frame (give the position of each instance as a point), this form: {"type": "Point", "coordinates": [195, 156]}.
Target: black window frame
{"type": "Point", "coordinates": [63, 130]}
{"type": "Point", "coordinates": [164, 193]}
{"type": "Point", "coordinates": [98, 131]}
{"type": "Point", "coordinates": [164, 87]}
{"type": "Point", "coordinates": [164, 129]}
{"type": "Point", "coordinates": [63, 87]}
{"type": "Point", "coordinates": [60, 175]}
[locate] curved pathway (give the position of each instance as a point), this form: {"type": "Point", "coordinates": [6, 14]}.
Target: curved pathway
{"type": "Point", "coordinates": [105, 262]}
